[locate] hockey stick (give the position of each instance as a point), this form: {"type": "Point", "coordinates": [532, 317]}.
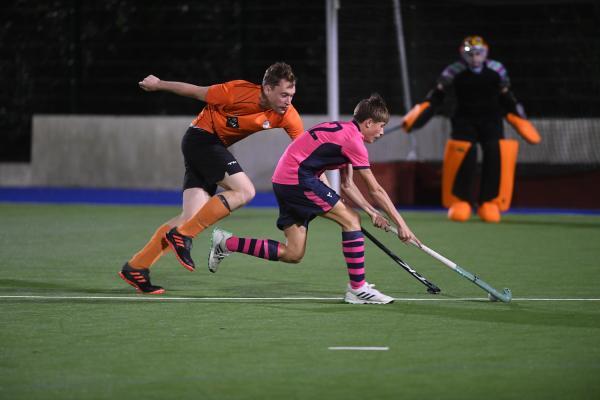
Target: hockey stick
{"type": "Point", "coordinates": [393, 129]}
{"type": "Point", "coordinates": [431, 288]}
{"type": "Point", "coordinates": [493, 294]}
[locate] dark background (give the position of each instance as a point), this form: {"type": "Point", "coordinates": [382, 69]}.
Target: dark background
{"type": "Point", "coordinates": [86, 57]}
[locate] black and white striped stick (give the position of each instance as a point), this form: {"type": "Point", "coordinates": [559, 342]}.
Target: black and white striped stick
{"type": "Point", "coordinates": [431, 287]}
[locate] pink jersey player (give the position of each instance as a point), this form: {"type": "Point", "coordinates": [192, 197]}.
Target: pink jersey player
{"type": "Point", "coordinates": [328, 146]}
{"type": "Point", "coordinates": [302, 196]}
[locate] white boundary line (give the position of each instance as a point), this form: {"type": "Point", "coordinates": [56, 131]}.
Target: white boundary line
{"type": "Point", "coordinates": [358, 348]}
{"type": "Point", "coordinates": [200, 299]}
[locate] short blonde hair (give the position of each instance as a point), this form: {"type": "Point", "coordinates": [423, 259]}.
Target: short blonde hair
{"type": "Point", "coordinates": [276, 72]}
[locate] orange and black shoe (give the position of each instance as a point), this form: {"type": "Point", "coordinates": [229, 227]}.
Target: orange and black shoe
{"type": "Point", "coordinates": [139, 279]}
{"type": "Point", "coordinates": [182, 246]}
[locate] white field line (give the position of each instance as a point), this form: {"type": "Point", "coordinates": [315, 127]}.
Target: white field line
{"type": "Point", "coordinates": [208, 299]}
{"type": "Point", "coordinates": [358, 348]}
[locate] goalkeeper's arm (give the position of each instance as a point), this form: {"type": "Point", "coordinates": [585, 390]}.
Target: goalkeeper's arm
{"type": "Point", "coordinates": [515, 115]}
{"type": "Point", "coordinates": [421, 113]}
{"type": "Point", "coordinates": [510, 103]}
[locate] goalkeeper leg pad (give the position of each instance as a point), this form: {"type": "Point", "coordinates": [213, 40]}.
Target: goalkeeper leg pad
{"type": "Point", "coordinates": [509, 149]}
{"type": "Point", "coordinates": [454, 155]}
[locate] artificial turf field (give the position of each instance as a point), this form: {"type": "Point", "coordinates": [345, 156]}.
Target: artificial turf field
{"type": "Point", "coordinates": [85, 334]}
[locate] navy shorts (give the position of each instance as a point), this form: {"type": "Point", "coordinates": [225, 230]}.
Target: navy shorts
{"type": "Point", "coordinates": [206, 160]}
{"type": "Point", "coordinates": [300, 204]}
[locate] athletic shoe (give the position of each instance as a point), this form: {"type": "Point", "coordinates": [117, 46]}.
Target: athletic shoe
{"type": "Point", "coordinates": [366, 294]}
{"type": "Point", "coordinates": [182, 246]}
{"type": "Point", "coordinates": [218, 248]}
{"type": "Point", "coordinates": [139, 279]}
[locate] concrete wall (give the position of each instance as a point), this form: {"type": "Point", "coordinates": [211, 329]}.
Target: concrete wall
{"type": "Point", "coordinates": [105, 151]}
{"type": "Point", "coordinates": [144, 152]}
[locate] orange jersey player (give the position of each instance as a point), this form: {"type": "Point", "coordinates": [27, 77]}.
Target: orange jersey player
{"type": "Point", "coordinates": [234, 110]}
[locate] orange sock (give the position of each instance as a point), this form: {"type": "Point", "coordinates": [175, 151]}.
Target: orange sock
{"type": "Point", "coordinates": [153, 250]}
{"type": "Point", "coordinates": [213, 211]}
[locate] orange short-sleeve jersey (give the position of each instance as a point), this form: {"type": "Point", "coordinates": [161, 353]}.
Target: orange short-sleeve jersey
{"type": "Point", "coordinates": [233, 112]}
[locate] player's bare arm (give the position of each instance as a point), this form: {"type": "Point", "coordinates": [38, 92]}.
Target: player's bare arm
{"type": "Point", "coordinates": [353, 193]}
{"type": "Point", "coordinates": [323, 178]}
{"type": "Point", "coordinates": [152, 83]}
{"type": "Point", "coordinates": [384, 201]}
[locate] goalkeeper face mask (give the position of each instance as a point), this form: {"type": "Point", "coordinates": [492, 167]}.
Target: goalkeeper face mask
{"type": "Point", "coordinates": [474, 50]}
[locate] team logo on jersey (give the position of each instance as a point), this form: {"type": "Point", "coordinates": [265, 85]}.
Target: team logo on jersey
{"type": "Point", "coordinates": [232, 122]}
{"type": "Point", "coordinates": [266, 124]}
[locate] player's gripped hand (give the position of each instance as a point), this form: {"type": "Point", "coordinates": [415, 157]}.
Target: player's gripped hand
{"type": "Point", "coordinates": [379, 221]}
{"type": "Point", "coordinates": [150, 83]}
{"type": "Point", "coordinates": [406, 235]}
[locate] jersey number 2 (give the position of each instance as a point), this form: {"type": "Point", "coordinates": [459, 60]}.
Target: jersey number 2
{"type": "Point", "coordinates": [313, 132]}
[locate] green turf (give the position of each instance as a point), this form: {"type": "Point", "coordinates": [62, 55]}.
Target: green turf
{"type": "Point", "coordinates": [142, 348]}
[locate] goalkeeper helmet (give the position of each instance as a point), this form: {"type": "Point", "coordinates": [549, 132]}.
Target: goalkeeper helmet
{"type": "Point", "coordinates": [473, 50]}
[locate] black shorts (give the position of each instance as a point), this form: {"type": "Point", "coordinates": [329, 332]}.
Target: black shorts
{"type": "Point", "coordinates": [480, 130]}
{"type": "Point", "coordinates": [300, 204]}
{"type": "Point", "coordinates": [206, 160]}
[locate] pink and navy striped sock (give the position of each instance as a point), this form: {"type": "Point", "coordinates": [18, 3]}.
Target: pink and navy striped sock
{"type": "Point", "coordinates": [261, 248]}
{"type": "Point", "coordinates": [353, 245]}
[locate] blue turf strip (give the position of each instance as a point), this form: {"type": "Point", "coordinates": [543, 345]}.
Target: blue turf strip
{"type": "Point", "coordinates": [173, 198]}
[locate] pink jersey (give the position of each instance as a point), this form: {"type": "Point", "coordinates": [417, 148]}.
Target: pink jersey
{"type": "Point", "coordinates": [330, 145]}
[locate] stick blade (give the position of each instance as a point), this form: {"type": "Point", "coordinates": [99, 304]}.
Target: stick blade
{"type": "Point", "coordinates": [505, 296]}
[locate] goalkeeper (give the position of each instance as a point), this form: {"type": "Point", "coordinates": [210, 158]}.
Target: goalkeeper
{"type": "Point", "coordinates": [483, 97]}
